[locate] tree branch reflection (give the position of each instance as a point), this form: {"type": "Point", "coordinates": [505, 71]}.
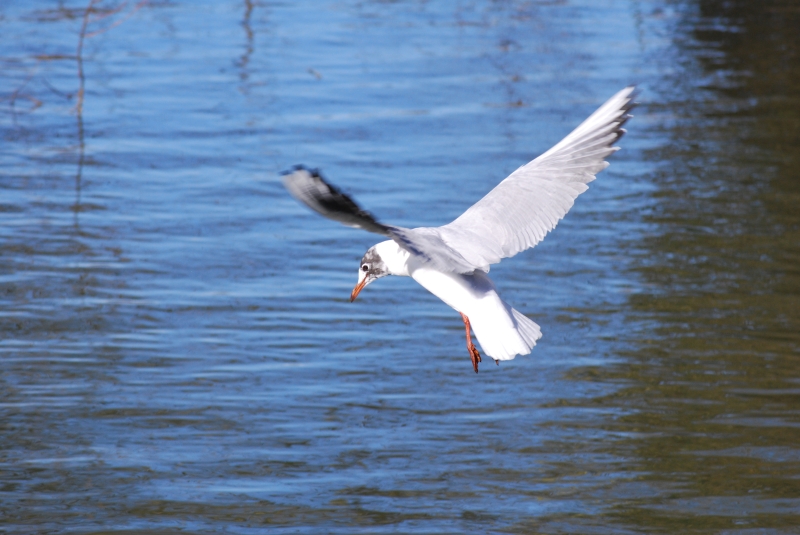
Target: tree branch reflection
{"type": "Point", "coordinates": [93, 13]}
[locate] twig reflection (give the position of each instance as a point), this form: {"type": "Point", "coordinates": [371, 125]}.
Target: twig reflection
{"type": "Point", "coordinates": [92, 14]}
{"type": "Point", "coordinates": [245, 59]}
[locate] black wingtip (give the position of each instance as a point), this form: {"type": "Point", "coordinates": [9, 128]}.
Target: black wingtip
{"type": "Point", "coordinates": [632, 102]}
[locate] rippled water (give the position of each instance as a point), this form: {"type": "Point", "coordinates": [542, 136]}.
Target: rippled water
{"type": "Point", "coordinates": [177, 349]}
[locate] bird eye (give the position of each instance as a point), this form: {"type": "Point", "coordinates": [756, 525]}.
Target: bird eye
{"type": "Point", "coordinates": [365, 268]}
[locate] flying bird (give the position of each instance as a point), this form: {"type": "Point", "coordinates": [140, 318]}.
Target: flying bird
{"type": "Point", "coordinates": [452, 261]}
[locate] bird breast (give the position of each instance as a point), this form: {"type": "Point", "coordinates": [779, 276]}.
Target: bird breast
{"type": "Point", "coordinates": [463, 292]}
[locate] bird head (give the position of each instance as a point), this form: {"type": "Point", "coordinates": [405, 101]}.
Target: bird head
{"type": "Point", "coordinates": [372, 268]}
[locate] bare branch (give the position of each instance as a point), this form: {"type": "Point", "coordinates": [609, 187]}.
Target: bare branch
{"type": "Point", "coordinates": [117, 22]}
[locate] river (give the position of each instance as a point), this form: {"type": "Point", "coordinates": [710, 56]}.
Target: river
{"type": "Point", "coordinates": [178, 353]}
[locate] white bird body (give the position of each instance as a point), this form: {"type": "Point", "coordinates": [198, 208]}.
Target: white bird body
{"type": "Point", "coordinates": [452, 261]}
{"type": "Point", "coordinates": [501, 331]}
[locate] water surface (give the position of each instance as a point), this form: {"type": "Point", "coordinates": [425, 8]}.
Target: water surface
{"type": "Point", "coordinates": [177, 349]}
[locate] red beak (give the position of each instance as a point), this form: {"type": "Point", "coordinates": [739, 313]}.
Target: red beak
{"type": "Point", "coordinates": [357, 289]}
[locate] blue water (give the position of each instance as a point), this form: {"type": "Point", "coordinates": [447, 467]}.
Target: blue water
{"type": "Point", "coordinates": [177, 348]}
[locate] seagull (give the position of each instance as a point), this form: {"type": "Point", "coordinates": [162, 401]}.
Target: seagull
{"type": "Point", "coordinates": [452, 261]}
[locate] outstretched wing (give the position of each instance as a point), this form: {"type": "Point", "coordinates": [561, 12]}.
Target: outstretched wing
{"type": "Point", "coordinates": [523, 208]}
{"type": "Point", "coordinates": [308, 187]}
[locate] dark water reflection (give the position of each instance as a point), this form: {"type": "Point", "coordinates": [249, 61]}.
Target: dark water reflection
{"type": "Point", "coordinates": [713, 375]}
{"type": "Point", "coordinates": [177, 349]}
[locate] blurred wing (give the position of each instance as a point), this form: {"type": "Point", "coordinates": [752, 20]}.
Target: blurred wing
{"type": "Point", "coordinates": [308, 187]}
{"type": "Point", "coordinates": [523, 208]}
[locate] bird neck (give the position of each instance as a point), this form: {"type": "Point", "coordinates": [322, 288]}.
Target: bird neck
{"type": "Point", "coordinates": [394, 257]}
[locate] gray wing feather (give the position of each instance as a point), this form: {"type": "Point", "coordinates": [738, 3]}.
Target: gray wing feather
{"type": "Point", "coordinates": [523, 208]}
{"type": "Point", "coordinates": [427, 244]}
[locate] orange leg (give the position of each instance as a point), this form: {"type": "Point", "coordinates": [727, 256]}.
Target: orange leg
{"type": "Point", "coordinates": [473, 351]}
